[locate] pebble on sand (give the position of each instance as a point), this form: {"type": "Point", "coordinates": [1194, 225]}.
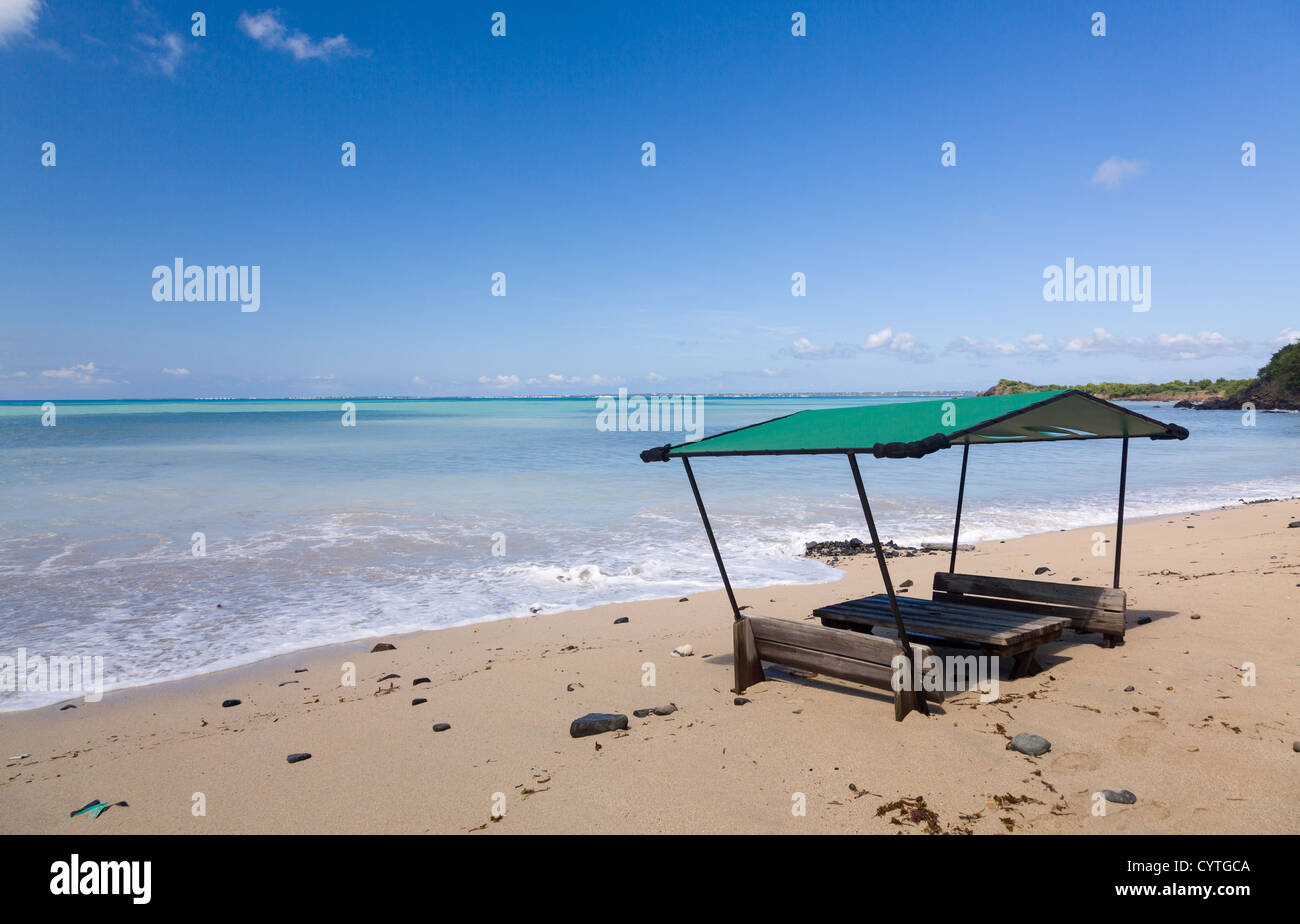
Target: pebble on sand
{"type": "Point", "coordinates": [419, 680]}
{"type": "Point", "coordinates": [597, 723]}
{"type": "Point", "coordinates": [1130, 688]}
{"type": "Point", "coordinates": [1122, 797]}
{"type": "Point", "coordinates": [383, 646]}
{"type": "Point", "coordinates": [1042, 570]}
{"type": "Point", "coordinates": [294, 758]}
{"type": "Point", "coordinates": [684, 651]}
{"type": "Point", "coordinates": [441, 726]}
{"type": "Point", "coordinates": [1033, 745]}
{"type": "Point", "coordinates": [739, 701]}
{"type": "Point", "coordinates": [227, 703]}
{"type": "Point", "coordinates": [620, 620]}
{"type": "Point", "coordinates": [416, 702]}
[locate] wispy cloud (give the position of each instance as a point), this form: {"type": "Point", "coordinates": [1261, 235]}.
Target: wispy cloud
{"type": "Point", "coordinates": [163, 53]}
{"type": "Point", "coordinates": [268, 30]}
{"type": "Point", "coordinates": [886, 340]}
{"type": "Point", "coordinates": [17, 18]}
{"type": "Point", "coordinates": [992, 347]}
{"type": "Point", "coordinates": [1287, 336]}
{"type": "Point", "coordinates": [1162, 346]}
{"type": "Point", "coordinates": [181, 371]}
{"type": "Point", "coordinates": [1115, 170]}
{"type": "Point", "coordinates": [80, 373]}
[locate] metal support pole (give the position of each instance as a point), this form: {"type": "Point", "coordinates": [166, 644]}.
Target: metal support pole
{"type": "Point", "coordinates": [889, 585]}
{"type": "Point", "coordinates": [961, 494]}
{"type": "Point", "coordinates": [717, 556]}
{"type": "Point", "coordinates": [1119, 528]}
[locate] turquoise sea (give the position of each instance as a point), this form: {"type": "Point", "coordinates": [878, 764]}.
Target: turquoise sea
{"type": "Point", "coordinates": [433, 513]}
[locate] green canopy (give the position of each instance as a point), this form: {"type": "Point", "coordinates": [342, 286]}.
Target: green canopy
{"type": "Point", "coordinates": [911, 429]}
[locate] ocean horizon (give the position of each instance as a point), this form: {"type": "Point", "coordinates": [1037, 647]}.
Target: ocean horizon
{"type": "Point", "coordinates": [175, 537]}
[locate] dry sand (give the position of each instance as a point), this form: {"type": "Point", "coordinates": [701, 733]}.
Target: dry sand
{"type": "Point", "coordinates": [1202, 752]}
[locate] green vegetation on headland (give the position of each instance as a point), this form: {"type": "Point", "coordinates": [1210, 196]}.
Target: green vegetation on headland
{"type": "Point", "coordinates": [1277, 388]}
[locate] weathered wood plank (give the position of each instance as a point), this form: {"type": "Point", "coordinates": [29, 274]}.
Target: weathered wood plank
{"type": "Point", "coordinates": [1079, 595]}
{"type": "Point", "coordinates": [819, 638]}
{"type": "Point", "coordinates": [749, 667]}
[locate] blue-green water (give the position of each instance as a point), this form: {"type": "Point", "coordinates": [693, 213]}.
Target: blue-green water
{"type": "Point", "coordinates": [317, 533]}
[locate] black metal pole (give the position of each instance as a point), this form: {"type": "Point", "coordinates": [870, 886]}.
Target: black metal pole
{"type": "Point", "coordinates": [717, 556]}
{"type": "Point", "coordinates": [961, 494]}
{"type": "Point", "coordinates": [884, 573]}
{"type": "Point", "coordinates": [1119, 528]}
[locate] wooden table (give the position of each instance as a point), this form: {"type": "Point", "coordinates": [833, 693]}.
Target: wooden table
{"type": "Point", "coordinates": [993, 631]}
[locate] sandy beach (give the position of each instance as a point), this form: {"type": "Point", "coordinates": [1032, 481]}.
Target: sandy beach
{"type": "Point", "coordinates": [1209, 594]}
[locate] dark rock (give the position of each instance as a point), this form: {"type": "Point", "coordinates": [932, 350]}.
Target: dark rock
{"type": "Point", "coordinates": [739, 701]}
{"type": "Point", "coordinates": [573, 686]}
{"type": "Point", "coordinates": [227, 703]}
{"type": "Point", "coordinates": [441, 726]}
{"type": "Point", "coordinates": [1130, 688]}
{"type": "Point", "coordinates": [287, 682]}
{"type": "Point", "coordinates": [419, 680]}
{"type": "Point", "coordinates": [1295, 746]}
{"type": "Point", "coordinates": [1033, 745]}
{"type": "Point", "coordinates": [641, 713]}
{"type": "Point", "coordinates": [1123, 797]}
{"type": "Point", "coordinates": [1042, 570]}
{"type": "Point", "coordinates": [597, 723]}
{"type": "Point", "coordinates": [666, 710]}
{"type": "Point", "coordinates": [389, 677]}
{"type": "Point", "coordinates": [1196, 615]}
{"type": "Point", "coordinates": [743, 608]}
{"type": "Point", "coordinates": [1294, 524]}
{"type": "Point", "coordinates": [294, 758]}
{"type": "Point", "coordinates": [383, 646]}
{"type": "Point", "coordinates": [534, 610]}
{"type": "Point", "coordinates": [907, 583]}
{"type": "Point", "coordinates": [683, 599]}
{"type": "Point", "coordinates": [300, 670]}
{"type": "Point", "coordinates": [418, 702]}
{"type": "Point", "coordinates": [1143, 620]}
{"type": "Point", "coordinates": [67, 707]}
{"type": "Point", "coordinates": [1075, 579]}
{"type": "Point", "coordinates": [620, 620]}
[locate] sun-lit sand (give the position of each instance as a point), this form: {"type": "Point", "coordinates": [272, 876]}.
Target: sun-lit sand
{"type": "Point", "coordinates": [1203, 752]}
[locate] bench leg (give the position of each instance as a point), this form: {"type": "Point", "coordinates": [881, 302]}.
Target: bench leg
{"type": "Point", "coordinates": [1024, 664]}
{"type": "Point", "coordinates": [1108, 641]}
{"type": "Point", "coordinates": [749, 668]}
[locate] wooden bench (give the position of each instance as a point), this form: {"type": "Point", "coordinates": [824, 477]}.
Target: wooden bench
{"type": "Point", "coordinates": [1089, 609]}
{"type": "Point", "coordinates": [847, 655]}
{"type": "Point", "coordinates": [997, 633]}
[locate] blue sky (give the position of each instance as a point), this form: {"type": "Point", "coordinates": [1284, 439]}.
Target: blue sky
{"type": "Point", "coordinates": [522, 154]}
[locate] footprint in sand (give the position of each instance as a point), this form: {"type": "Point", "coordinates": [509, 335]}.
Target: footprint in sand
{"type": "Point", "coordinates": [1076, 760]}
{"type": "Point", "coordinates": [1137, 739]}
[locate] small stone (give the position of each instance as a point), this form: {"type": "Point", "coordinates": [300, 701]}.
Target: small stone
{"type": "Point", "coordinates": [1294, 524]}
{"type": "Point", "coordinates": [641, 713]}
{"type": "Point", "coordinates": [418, 702]}
{"type": "Point", "coordinates": [746, 607]}
{"type": "Point", "coordinates": [683, 599]}
{"type": "Point", "coordinates": [300, 670]}
{"type": "Point", "coordinates": [684, 651]}
{"type": "Point", "coordinates": [620, 620]}
{"type": "Point", "coordinates": [1143, 620]}
{"type": "Point", "coordinates": [287, 682]}
{"type": "Point", "coordinates": [1196, 615]}
{"type": "Point", "coordinates": [441, 726]}
{"type": "Point", "coordinates": [1123, 797]}
{"type": "Point", "coordinates": [227, 703]}
{"type": "Point", "coordinates": [534, 610]}
{"type": "Point", "coordinates": [597, 723]}
{"type": "Point", "coordinates": [419, 680]}
{"type": "Point", "coordinates": [1295, 746]}
{"type": "Point", "coordinates": [739, 701]}
{"type": "Point", "coordinates": [1076, 579]}
{"type": "Point", "coordinates": [1130, 688]}
{"type": "Point", "coordinates": [389, 677]}
{"type": "Point", "coordinates": [295, 758]}
{"type": "Point", "coordinates": [665, 710]}
{"type": "Point", "coordinates": [383, 646]}
{"type": "Point", "coordinates": [573, 686]}
{"type": "Point", "coordinates": [1033, 745]}
{"type": "Point", "coordinates": [907, 583]}
{"type": "Point", "coordinates": [67, 707]}
{"type": "Point", "coordinates": [1042, 570]}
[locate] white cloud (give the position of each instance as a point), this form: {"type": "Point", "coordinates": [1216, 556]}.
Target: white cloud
{"type": "Point", "coordinates": [17, 17]}
{"type": "Point", "coordinates": [81, 373]}
{"type": "Point", "coordinates": [655, 377]}
{"type": "Point", "coordinates": [1287, 336]}
{"type": "Point", "coordinates": [1115, 170]}
{"type": "Point", "coordinates": [992, 347]}
{"type": "Point", "coordinates": [885, 340]}
{"type": "Point", "coordinates": [267, 29]}
{"type": "Point", "coordinates": [499, 381]}
{"type": "Point", "coordinates": [417, 380]}
{"type": "Point", "coordinates": [176, 371]}
{"type": "Point", "coordinates": [162, 53]}
{"type": "Point", "coordinates": [1164, 346]}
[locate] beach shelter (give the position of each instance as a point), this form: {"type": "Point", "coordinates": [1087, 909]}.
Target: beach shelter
{"type": "Point", "coordinates": [913, 430]}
